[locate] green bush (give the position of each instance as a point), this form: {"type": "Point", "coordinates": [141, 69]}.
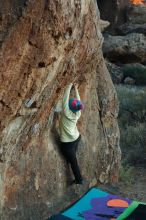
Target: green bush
{"type": "Point", "coordinates": [135, 71]}
{"type": "Point", "coordinates": [132, 101]}
{"type": "Point", "coordinates": [125, 174]}
{"type": "Point", "coordinates": [133, 143]}
{"type": "Point", "coordinates": [132, 117]}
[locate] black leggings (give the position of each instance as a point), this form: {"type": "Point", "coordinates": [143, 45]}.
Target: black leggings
{"type": "Point", "coordinates": [69, 150]}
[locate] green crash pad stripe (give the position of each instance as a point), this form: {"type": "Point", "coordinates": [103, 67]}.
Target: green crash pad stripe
{"type": "Point", "coordinates": [129, 210]}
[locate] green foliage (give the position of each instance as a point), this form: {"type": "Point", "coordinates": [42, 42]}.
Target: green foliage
{"type": "Point", "coordinates": [125, 174]}
{"type": "Point", "coordinates": [132, 117]}
{"type": "Point", "coordinates": [132, 102]}
{"type": "Point", "coordinates": [133, 143]}
{"type": "Point", "coordinates": [135, 71]}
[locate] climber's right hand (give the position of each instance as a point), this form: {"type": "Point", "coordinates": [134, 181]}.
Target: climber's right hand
{"type": "Point", "coordinates": [76, 85]}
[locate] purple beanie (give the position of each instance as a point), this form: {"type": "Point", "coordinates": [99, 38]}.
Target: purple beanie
{"type": "Point", "coordinates": [75, 105]}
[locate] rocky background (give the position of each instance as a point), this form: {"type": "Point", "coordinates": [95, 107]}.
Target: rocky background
{"type": "Point", "coordinates": [124, 45]}
{"type": "Point", "coordinates": [124, 50]}
{"type": "Point", "coordinates": [114, 12]}
{"type": "Point", "coordinates": [44, 46]}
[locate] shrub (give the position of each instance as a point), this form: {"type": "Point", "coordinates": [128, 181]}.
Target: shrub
{"type": "Point", "coordinates": [135, 71]}
{"type": "Point", "coordinates": [125, 174]}
{"type": "Point", "coordinates": [132, 116]}
{"type": "Point", "coordinates": [133, 143]}
{"type": "Point", "coordinates": [132, 101]}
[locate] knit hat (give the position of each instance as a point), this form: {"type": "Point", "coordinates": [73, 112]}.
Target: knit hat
{"type": "Point", "coordinates": [75, 105]}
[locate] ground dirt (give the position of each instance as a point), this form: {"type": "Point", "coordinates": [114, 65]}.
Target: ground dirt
{"type": "Point", "coordinates": [134, 189]}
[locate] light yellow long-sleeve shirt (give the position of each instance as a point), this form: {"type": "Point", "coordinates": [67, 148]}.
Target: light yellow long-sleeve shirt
{"type": "Point", "coordinates": [67, 126]}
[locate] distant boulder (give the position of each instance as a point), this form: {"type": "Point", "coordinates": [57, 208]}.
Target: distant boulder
{"type": "Point", "coordinates": [136, 14]}
{"type": "Point", "coordinates": [135, 20]}
{"type": "Point", "coordinates": [136, 71]}
{"type": "Point", "coordinates": [129, 81]}
{"type": "Point", "coordinates": [128, 28]}
{"type": "Point", "coordinates": [116, 72]}
{"type": "Point", "coordinates": [126, 49]}
{"type": "Point", "coordinates": [113, 11]}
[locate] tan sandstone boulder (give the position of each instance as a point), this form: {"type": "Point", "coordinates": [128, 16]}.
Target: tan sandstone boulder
{"type": "Point", "coordinates": [44, 46]}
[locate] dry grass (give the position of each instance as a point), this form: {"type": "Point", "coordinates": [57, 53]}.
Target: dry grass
{"type": "Point", "coordinates": [132, 117]}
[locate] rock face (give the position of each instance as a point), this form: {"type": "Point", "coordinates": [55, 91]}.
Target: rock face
{"type": "Point", "coordinates": [129, 81]}
{"type": "Point", "coordinates": [116, 72]}
{"type": "Point", "coordinates": [118, 15]}
{"type": "Point", "coordinates": [126, 49]}
{"type": "Point", "coordinates": [44, 46]}
{"type": "Point", "coordinates": [128, 28]}
{"type": "Point", "coordinates": [136, 71]}
{"type": "Point", "coordinates": [136, 14]}
{"type": "Point", "coordinates": [135, 20]}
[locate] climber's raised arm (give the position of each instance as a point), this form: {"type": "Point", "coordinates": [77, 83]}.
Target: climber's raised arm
{"type": "Point", "coordinates": [66, 95]}
{"type": "Point", "coordinates": [76, 91]}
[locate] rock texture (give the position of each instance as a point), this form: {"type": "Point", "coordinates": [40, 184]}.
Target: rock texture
{"type": "Point", "coordinates": [126, 49]}
{"type": "Point", "coordinates": [44, 46]}
{"type": "Point", "coordinates": [118, 15]}
{"type": "Point", "coordinates": [136, 14]}
{"type": "Point", "coordinates": [128, 28]}
{"type": "Point", "coordinates": [129, 81]}
{"type": "Point", "coordinates": [135, 20]}
{"type": "Point", "coordinates": [116, 72]}
{"type": "Point", "coordinates": [136, 71]}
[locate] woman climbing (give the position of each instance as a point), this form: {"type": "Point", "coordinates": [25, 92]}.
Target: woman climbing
{"type": "Point", "coordinates": [69, 134]}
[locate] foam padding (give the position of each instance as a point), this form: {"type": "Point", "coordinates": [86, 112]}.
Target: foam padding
{"type": "Point", "coordinates": [99, 205]}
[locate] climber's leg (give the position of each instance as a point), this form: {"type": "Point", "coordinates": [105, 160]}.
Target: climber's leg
{"type": "Point", "coordinates": [76, 143]}
{"type": "Point", "coordinates": [69, 151]}
{"type": "Point", "coordinates": [74, 165]}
